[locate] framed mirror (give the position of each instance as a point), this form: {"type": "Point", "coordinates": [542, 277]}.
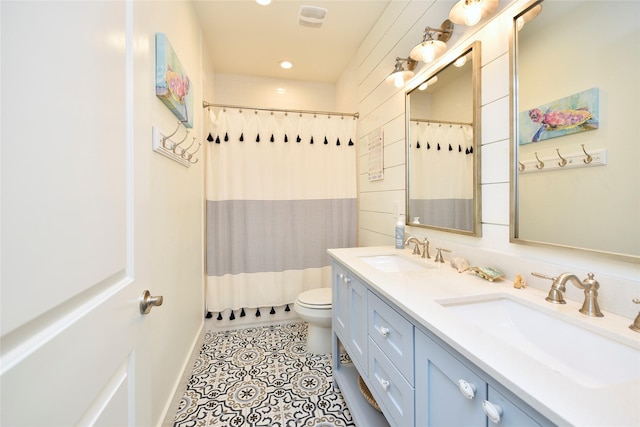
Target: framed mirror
{"type": "Point", "coordinates": [576, 128]}
{"type": "Point", "coordinates": [443, 150]}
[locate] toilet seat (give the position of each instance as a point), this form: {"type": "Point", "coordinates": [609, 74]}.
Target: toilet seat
{"type": "Point", "coordinates": [317, 299]}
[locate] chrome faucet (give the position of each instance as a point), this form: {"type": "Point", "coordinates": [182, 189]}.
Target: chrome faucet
{"type": "Point", "coordinates": [590, 285]}
{"type": "Point", "coordinates": [416, 248]}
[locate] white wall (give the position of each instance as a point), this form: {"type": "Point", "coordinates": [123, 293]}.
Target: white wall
{"type": "Point", "coordinates": [381, 105]}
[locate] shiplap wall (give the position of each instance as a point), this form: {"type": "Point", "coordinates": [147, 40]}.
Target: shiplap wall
{"type": "Point", "coordinates": [380, 104]}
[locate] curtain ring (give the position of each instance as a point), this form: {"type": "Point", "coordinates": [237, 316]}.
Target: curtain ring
{"type": "Point", "coordinates": [588, 159]}
{"type": "Point", "coordinates": [563, 162]}
{"type": "Point", "coordinates": [540, 164]}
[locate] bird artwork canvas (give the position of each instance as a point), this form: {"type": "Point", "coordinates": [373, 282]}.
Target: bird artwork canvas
{"type": "Point", "coordinates": [173, 86]}
{"type": "Point", "coordinates": [572, 114]}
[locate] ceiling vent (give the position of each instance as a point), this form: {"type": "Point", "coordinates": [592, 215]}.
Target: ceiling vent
{"type": "Point", "coordinates": [312, 16]}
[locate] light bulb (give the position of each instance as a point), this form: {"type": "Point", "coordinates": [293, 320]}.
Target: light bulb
{"type": "Point", "coordinates": [263, 2]}
{"type": "Point", "coordinates": [472, 13]}
{"type": "Point", "coordinates": [428, 52]}
{"type": "Point", "coordinates": [460, 61]}
{"type": "Point", "coordinates": [398, 80]}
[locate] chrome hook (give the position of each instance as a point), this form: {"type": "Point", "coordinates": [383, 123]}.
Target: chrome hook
{"type": "Point", "coordinates": [540, 164]}
{"type": "Point", "coordinates": [563, 162]}
{"type": "Point", "coordinates": [167, 138]}
{"type": "Point", "coordinates": [521, 166]}
{"type": "Point", "coordinates": [588, 159]}
{"type": "Point", "coordinates": [185, 153]}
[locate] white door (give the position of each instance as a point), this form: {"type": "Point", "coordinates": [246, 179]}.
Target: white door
{"type": "Point", "coordinates": [74, 237]}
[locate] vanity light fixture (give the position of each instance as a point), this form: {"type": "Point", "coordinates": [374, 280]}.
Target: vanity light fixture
{"type": "Point", "coordinates": [460, 61]}
{"type": "Point", "coordinates": [433, 80]}
{"type": "Point", "coordinates": [433, 43]}
{"type": "Point", "coordinates": [528, 15]}
{"type": "Point", "coordinates": [470, 12]}
{"type": "Point", "coordinates": [399, 76]}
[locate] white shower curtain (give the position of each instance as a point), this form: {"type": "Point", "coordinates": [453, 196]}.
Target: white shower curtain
{"type": "Point", "coordinates": [281, 190]}
{"type": "Point", "coordinates": [439, 150]}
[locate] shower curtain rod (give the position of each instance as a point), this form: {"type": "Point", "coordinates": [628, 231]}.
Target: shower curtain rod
{"type": "Point", "coordinates": [442, 122]}
{"type": "Point", "coordinates": [206, 104]}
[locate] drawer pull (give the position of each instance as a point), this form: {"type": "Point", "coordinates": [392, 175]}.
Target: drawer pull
{"type": "Point", "coordinates": [384, 384]}
{"type": "Point", "coordinates": [492, 411]}
{"type": "Point", "coordinates": [384, 331]}
{"type": "Point", "coordinates": [345, 279]}
{"type": "Point", "coordinates": [468, 390]}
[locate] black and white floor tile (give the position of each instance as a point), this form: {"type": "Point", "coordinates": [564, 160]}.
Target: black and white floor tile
{"type": "Point", "coordinates": [261, 376]}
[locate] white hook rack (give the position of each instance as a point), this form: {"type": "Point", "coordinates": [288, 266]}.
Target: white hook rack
{"type": "Point", "coordinates": [561, 161]}
{"type": "Point", "coordinates": [163, 144]}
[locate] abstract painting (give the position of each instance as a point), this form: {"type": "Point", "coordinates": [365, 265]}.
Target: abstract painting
{"type": "Point", "coordinates": [572, 114]}
{"type": "Point", "coordinates": [173, 86]}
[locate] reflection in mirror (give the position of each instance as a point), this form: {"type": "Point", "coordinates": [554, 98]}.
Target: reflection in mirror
{"type": "Point", "coordinates": [442, 149]}
{"type": "Point", "coordinates": [576, 169]}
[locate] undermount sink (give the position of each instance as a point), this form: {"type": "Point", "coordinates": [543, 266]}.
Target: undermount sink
{"type": "Point", "coordinates": [392, 263]}
{"type": "Point", "coordinates": [590, 359]}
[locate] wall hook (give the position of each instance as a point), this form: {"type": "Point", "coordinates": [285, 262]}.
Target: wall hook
{"type": "Point", "coordinates": [167, 137]}
{"type": "Point", "coordinates": [563, 162]}
{"type": "Point", "coordinates": [521, 166]}
{"type": "Point", "coordinates": [163, 144]}
{"type": "Point", "coordinates": [588, 159]}
{"type": "Point", "coordinates": [540, 164]}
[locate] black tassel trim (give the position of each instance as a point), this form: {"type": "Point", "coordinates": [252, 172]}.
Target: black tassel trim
{"type": "Point", "coordinates": [470, 150]}
{"type": "Point", "coordinates": [438, 146]}
{"type": "Point", "coordinates": [350, 142]}
{"type": "Point", "coordinates": [287, 308]}
{"type": "Point", "coordinates": [242, 313]}
{"type": "Point", "coordinates": [459, 149]}
{"type": "Point", "coordinates": [209, 315]}
{"type": "Point", "coordinates": [428, 146]}
{"type": "Point", "coordinates": [233, 316]}
{"type": "Point", "coordinates": [450, 147]}
{"type": "Point", "coordinates": [325, 141]}
{"type": "Point", "coordinates": [242, 137]}
{"type": "Point", "coordinates": [466, 151]}
{"type": "Point", "coordinates": [226, 137]}
{"type": "Point", "coordinates": [311, 141]}
{"type": "Point", "coordinates": [217, 139]}
{"type": "Point", "coordinates": [219, 316]}
{"type": "Point", "coordinates": [258, 312]}
{"type": "Point", "coordinates": [273, 311]}
{"type": "Point", "coordinates": [258, 138]}
{"type": "Point", "coordinates": [417, 144]}
{"type": "Point", "coordinates": [298, 139]}
{"type": "Point", "coordinates": [272, 139]}
{"type": "Point", "coordinates": [286, 138]}
{"type": "Point", "coordinates": [338, 141]}
{"type": "Point", "coordinates": [210, 138]}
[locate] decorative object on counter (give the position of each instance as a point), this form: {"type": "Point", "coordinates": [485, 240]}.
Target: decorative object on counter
{"type": "Point", "coordinates": [519, 282]}
{"type": "Point", "coordinates": [439, 257]}
{"type": "Point", "coordinates": [367, 394]}
{"type": "Point", "coordinates": [487, 273]}
{"type": "Point", "coordinates": [400, 233]}
{"type": "Point", "coordinates": [635, 326]}
{"type": "Point", "coordinates": [459, 263]}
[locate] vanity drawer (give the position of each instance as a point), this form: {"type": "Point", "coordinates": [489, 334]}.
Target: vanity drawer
{"type": "Point", "coordinates": [393, 334]}
{"type": "Point", "coordinates": [394, 394]}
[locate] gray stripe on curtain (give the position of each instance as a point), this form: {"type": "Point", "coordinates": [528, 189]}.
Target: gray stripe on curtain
{"type": "Point", "coordinates": [252, 236]}
{"type": "Point", "coordinates": [447, 213]}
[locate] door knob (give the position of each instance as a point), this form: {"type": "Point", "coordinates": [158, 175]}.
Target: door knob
{"type": "Point", "coordinates": [147, 302]}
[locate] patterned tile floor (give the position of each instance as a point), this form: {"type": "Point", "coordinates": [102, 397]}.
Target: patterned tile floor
{"type": "Point", "coordinates": [261, 376]}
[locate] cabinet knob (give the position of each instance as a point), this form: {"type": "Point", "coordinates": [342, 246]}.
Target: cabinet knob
{"type": "Point", "coordinates": [492, 411]}
{"type": "Point", "coordinates": [384, 384]}
{"type": "Point", "coordinates": [384, 331]}
{"type": "Point", "coordinates": [467, 389]}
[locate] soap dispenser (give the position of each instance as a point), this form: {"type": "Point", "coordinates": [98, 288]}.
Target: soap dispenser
{"type": "Point", "coordinates": [400, 232]}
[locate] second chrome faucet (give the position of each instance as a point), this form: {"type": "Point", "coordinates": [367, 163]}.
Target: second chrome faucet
{"type": "Point", "coordinates": [589, 285]}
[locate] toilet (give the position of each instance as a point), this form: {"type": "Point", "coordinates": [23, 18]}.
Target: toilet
{"type": "Point", "coordinates": [314, 307]}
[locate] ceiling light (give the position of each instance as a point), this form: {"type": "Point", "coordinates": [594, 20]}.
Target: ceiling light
{"type": "Point", "coordinates": [433, 43]}
{"type": "Point", "coordinates": [399, 76]}
{"type": "Point", "coordinates": [263, 2]}
{"type": "Point", "coordinates": [286, 64]}
{"type": "Point", "coordinates": [470, 12]}
{"type": "Point", "coordinates": [281, 90]}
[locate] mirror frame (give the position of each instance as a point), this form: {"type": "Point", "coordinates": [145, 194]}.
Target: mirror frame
{"type": "Point", "coordinates": [513, 155]}
{"type": "Point", "coordinates": [476, 63]}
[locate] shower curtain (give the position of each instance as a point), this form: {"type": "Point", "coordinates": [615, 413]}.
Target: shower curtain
{"type": "Point", "coordinates": [437, 150]}
{"type": "Point", "coordinates": [281, 190]}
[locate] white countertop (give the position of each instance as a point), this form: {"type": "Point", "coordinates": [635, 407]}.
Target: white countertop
{"type": "Point", "coordinates": [545, 388]}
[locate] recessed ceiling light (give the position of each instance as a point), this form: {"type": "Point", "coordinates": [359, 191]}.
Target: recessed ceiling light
{"type": "Point", "coordinates": [263, 2]}
{"type": "Point", "coordinates": [286, 64]}
{"type": "Point", "coordinates": [281, 90]}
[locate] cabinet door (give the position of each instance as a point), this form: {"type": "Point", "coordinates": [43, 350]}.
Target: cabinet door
{"type": "Point", "coordinates": [340, 302]}
{"type": "Point", "coordinates": [510, 415]}
{"type": "Point", "coordinates": [439, 398]}
{"type": "Point", "coordinates": [358, 324]}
